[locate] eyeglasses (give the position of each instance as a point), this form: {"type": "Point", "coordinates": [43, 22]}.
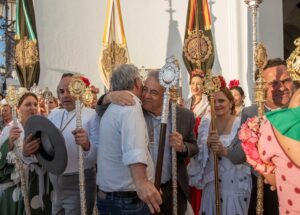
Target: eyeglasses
{"type": "Point", "coordinates": [279, 83]}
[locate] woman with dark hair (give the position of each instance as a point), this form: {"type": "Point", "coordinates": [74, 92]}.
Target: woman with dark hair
{"type": "Point", "coordinates": [234, 180]}
{"type": "Point", "coordinates": [11, 199]}
{"type": "Point", "coordinates": [238, 95]}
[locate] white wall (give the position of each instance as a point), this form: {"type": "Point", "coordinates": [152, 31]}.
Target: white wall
{"type": "Point", "coordinates": [70, 34]}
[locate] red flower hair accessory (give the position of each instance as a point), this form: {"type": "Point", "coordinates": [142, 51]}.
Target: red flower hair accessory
{"type": "Point", "coordinates": [198, 72]}
{"type": "Point", "coordinates": [233, 83]}
{"type": "Point", "coordinates": [85, 80]}
{"type": "Point", "coordinates": [94, 89]}
{"type": "Point", "coordinates": [222, 81]}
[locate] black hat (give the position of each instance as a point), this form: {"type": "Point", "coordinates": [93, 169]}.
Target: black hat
{"type": "Point", "coordinates": [52, 154]}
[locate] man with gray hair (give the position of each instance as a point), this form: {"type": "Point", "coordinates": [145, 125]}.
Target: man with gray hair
{"type": "Point", "coordinates": [125, 168]}
{"type": "Point", "coordinates": [183, 140]}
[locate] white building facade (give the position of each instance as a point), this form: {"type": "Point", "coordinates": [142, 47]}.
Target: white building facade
{"type": "Point", "coordinates": [70, 34]}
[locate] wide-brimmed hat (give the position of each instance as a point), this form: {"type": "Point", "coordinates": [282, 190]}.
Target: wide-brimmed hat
{"type": "Point", "coordinates": [52, 154]}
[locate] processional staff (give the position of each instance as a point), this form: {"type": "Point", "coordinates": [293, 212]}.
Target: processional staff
{"type": "Point", "coordinates": [261, 59]}
{"type": "Point", "coordinates": [12, 99]}
{"type": "Point", "coordinates": [168, 77]}
{"type": "Point", "coordinates": [198, 49]}
{"type": "Point", "coordinates": [253, 6]}
{"type": "Point", "coordinates": [175, 93]}
{"type": "Point", "coordinates": [77, 88]}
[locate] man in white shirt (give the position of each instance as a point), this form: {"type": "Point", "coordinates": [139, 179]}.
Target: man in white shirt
{"type": "Point", "coordinates": [183, 141]}
{"type": "Point", "coordinates": [125, 168]}
{"type": "Point", "coordinates": [66, 198]}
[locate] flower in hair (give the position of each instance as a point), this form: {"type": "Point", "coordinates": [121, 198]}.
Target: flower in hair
{"type": "Point", "coordinates": [233, 83]}
{"type": "Point", "coordinates": [85, 80]}
{"type": "Point", "coordinates": [94, 89]}
{"type": "Point", "coordinates": [198, 72]}
{"type": "Point", "coordinates": [222, 81]}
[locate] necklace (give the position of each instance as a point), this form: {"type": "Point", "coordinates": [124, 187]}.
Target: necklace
{"type": "Point", "coordinates": [67, 123]}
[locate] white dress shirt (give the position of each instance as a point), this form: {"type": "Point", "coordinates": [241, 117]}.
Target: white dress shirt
{"type": "Point", "coordinates": [66, 121]}
{"type": "Point", "coordinates": [123, 141]}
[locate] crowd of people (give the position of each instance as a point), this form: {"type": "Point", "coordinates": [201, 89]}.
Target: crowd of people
{"type": "Point", "coordinates": [120, 137]}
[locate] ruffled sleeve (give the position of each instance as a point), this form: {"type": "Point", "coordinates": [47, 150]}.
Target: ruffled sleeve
{"type": "Point", "coordinates": [198, 163]}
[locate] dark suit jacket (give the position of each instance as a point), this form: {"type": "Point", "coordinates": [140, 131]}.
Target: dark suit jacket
{"type": "Point", "coordinates": [185, 121]}
{"type": "Point", "coordinates": [235, 151]}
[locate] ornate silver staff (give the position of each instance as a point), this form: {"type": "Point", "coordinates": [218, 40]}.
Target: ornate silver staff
{"type": "Point", "coordinates": [168, 77]}
{"type": "Point", "coordinates": [253, 6]}
{"type": "Point", "coordinates": [173, 94]}
{"type": "Point", "coordinates": [77, 88]}
{"type": "Point", "coordinates": [174, 99]}
{"type": "Point", "coordinates": [12, 99]}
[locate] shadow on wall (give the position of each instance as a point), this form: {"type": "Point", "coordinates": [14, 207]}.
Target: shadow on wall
{"type": "Point", "coordinates": [175, 44]}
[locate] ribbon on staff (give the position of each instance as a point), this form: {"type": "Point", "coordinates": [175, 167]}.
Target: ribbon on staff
{"type": "Point", "coordinates": [114, 49]}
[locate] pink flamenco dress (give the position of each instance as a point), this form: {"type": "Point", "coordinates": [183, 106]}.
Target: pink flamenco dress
{"type": "Point", "coordinates": [287, 173]}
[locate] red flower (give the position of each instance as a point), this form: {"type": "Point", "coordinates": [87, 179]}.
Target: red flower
{"type": "Point", "coordinates": [85, 80]}
{"type": "Point", "coordinates": [198, 72]}
{"type": "Point", "coordinates": [222, 81]}
{"type": "Point", "coordinates": [94, 89]}
{"type": "Point", "coordinates": [233, 83]}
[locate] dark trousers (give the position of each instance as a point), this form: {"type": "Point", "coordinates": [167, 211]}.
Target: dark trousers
{"type": "Point", "coordinates": [167, 206]}
{"type": "Point", "coordinates": [121, 203]}
{"type": "Point", "coordinates": [270, 199]}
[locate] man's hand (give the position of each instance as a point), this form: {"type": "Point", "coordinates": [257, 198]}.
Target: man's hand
{"type": "Point", "coordinates": [176, 141]}
{"type": "Point", "coordinates": [180, 101]}
{"type": "Point", "coordinates": [31, 145]}
{"type": "Point", "coordinates": [150, 195]}
{"type": "Point", "coordinates": [14, 134]}
{"type": "Point", "coordinates": [81, 138]}
{"type": "Point", "coordinates": [215, 145]}
{"type": "Point", "coordinates": [270, 179]}
{"type": "Point", "coordinates": [144, 188]}
{"type": "Point", "coordinates": [123, 98]}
